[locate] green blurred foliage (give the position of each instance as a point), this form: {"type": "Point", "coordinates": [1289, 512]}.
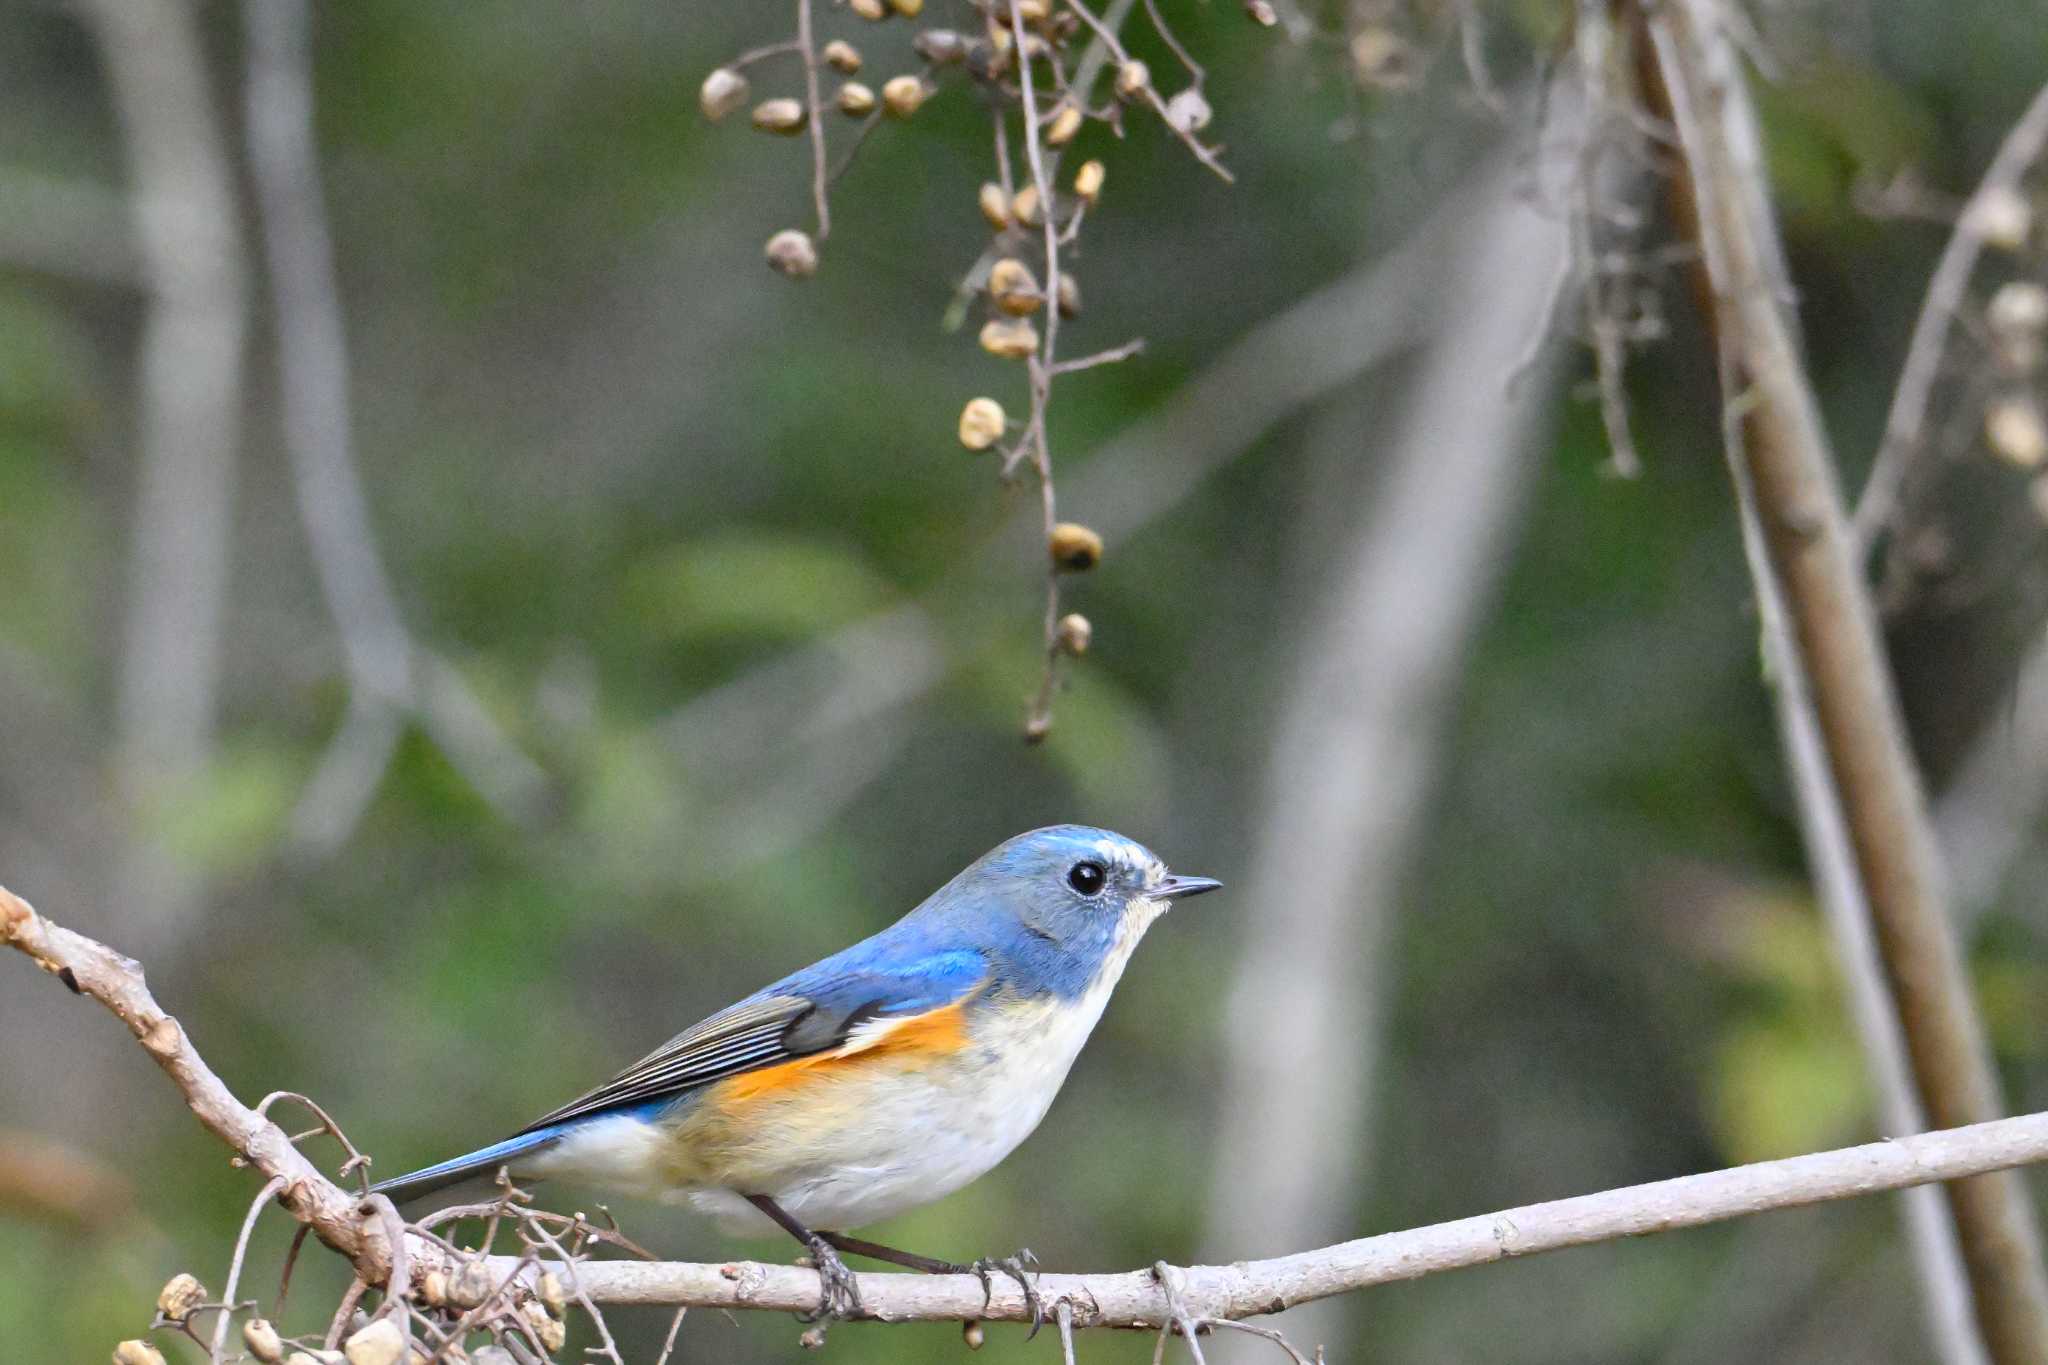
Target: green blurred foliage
{"type": "Point", "coordinates": [615, 466]}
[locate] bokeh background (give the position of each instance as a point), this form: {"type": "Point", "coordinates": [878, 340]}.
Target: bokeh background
{"type": "Point", "coordinates": [723, 644]}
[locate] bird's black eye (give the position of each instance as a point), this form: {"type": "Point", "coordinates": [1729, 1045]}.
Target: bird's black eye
{"type": "Point", "coordinates": [1087, 878]}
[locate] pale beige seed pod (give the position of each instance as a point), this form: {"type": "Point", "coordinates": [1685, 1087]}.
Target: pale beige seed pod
{"type": "Point", "coordinates": [434, 1288]}
{"type": "Point", "coordinates": [1262, 12]}
{"type": "Point", "coordinates": [1074, 547]}
{"type": "Point", "coordinates": [994, 205]}
{"type": "Point", "coordinates": [547, 1328]}
{"type": "Point", "coordinates": [180, 1295]}
{"type": "Point", "coordinates": [381, 1343]}
{"type": "Point", "coordinates": [723, 91]}
{"type": "Point", "coordinates": [909, 9]}
{"type": "Point", "coordinates": [1073, 633]}
{"type": "Point", "coordinates": [1069, 292]}
{"type": "Point", "coordinates": [972, 1335]}
{"type": "Point", "coordinates": [137, 1353]}
{"type": "Point", "coordinates": [842, 56]}
{"type": "Point", "coordinates": [855, 99]}
{"type": "Point", "coordinates": [553, 1292]}
{"type": "Point", "coordinates": [1188, 111]}
{"type": "Point", "coordinates": [1383, 58]}
{"type": "Point", "coordinates": [791, 252]}
{"type": "Point", "coordinates": [981, 423]}
{"type": "Point", "coordinates": [263, 1341]}
{"type": "Point", "coordinates": [903, 96]}
{"type": "Point", "coordinates": [1033, 11]}
{"type": "Point", "coordinates": [2019, 306]}
{"type": "Point", "coordinates": [2017, 431]}
{"type": "Point", "coordinates": [872, 10]}
{"type": "Point", "coordinates": [1024, 206]}
{"type": "Point", "coordinates": [1088, 182]}
{"type": "Point", "coordinates": [1132, 79]}
{"type": "Point", "coordinates": [471, 1286]}
{"type": "Point", "coordinates": [1014, 288]}
{"type": "Point", "coordinates": [940, 46]}
{"type": "Point", "coordinates": [782, 115]}
{"type": "Point", "coordinates": [1060, 130]}
{"type": "Point", "coordinates": [1036, 727]}
{"type": "Point", "coordinates": [1010, 338]}
{"type": "Point", "coordinates": [2002, 216]}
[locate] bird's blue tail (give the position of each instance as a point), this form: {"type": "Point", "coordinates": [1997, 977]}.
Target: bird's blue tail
{"type": "Point", "coordinates": [480, 1162]}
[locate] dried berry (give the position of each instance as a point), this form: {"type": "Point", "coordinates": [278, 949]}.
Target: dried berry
{"type": "Point", "coordinates": [842, 56]}
{"type": "Point", "coordinates": [1014, 288]}
{"type": "Point", "coordinates": [1188, 111]}
{"type": "Point", "coordinates": [1024, 206]}
{"type": "Point", "coordinates": [263, 1341]}
{"type": "Point", "coordinates": [792, 253]}
{"type": "Point", "coordinates": [1073, 633]}
{"type": "Point", "coordinates": [179, 1296]}
{"type": "Point", "coordinates": [2017, 431]}
{"type": "Point", "coordinates": [724, 90]}
{"type": "Point", "coordinates": [782, 115]}
{"type": "Point", "coordinates": [1010, 338]}
{"type": "Point", "coordinates": [1088, 181]}
{"type": "Point", "coordinates": [1133, 78]}
{"type": "Point", "coordinates": [981, 423]}
{"type": "Point", "coordinates": [994, 205]}
{"type": "Point", "coordinates": [902, 96]}
{"type": "Point", "coordinates": [137, 1353]}
{"type": "Point", "coordinates": [940, 46]}
{"type": "Point", "coordinates": [1074, 547]}
{"type": "Point", "coordinates": [1060, 130]}
{"type": "Point", "coordinates": [855, 99]}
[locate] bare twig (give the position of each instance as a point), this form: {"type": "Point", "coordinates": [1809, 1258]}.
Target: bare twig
{"type": "Point", "coordinates": [814, 119]}
{"type": "Point", "coordinates": [227, 1313]}
{"type": "Point", "coordinates": [1835, 638]}
{"type": "Point", "coordinates": [2022, 146]}
{"type": "Point", "coordinates": [1106, 34]}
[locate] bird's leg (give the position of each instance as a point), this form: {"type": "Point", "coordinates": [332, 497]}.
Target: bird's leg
{"type": "Point", "coordinates": [838, 1291]}
{"type": "Point", "coordinates": [1017, 1267]}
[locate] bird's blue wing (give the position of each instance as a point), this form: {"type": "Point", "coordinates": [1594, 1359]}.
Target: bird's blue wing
{"type": "Point", "coordinates": [816, 1010]}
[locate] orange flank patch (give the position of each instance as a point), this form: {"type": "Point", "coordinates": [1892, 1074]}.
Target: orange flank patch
{"type": "Point", "coordinates": [935, 1033]}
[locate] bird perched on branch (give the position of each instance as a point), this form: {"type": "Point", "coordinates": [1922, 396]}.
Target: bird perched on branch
{"type": "Point", "coordinates": [880, 1079]}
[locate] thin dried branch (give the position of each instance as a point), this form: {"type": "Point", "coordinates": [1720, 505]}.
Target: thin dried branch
{"type": "Point", "coordinates": [1905, 423]}
{"type": "Point", "coordinates": [814, 116]}
{"type": "Point", "coordinates": [1785, 459]}
{"type": "Point", "coordinates": [1148, 1299]}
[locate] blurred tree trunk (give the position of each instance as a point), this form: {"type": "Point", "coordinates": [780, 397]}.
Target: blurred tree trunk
{"type": "Point", "coordinates": [188, 418]}
{"type": "Point", "coordinates": [1353, 756]}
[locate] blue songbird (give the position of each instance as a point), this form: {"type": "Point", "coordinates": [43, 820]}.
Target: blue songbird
{"type": "Point", "coordinates": [880, 1079]}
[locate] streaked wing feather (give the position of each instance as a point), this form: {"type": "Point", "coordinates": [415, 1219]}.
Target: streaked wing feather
{"type": "Point", "coordinates": [770, 1029]}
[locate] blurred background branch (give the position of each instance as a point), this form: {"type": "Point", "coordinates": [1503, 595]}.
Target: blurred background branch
{"type": "Point", "coordinates": [1780, 461]}
{"type": "Point", "coordinates": [1351, 772]}
{"type": "Point", "coordinates": [188, 415]}
{"type": "Point", "coordinates": [391, 681]}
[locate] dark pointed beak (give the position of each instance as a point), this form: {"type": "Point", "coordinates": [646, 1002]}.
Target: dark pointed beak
{"type": "Point", "coordinates": [1180, 888]}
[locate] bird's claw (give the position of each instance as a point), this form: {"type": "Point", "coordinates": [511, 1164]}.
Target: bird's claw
{"type": "Point", "coordinates": [838, 1290]}
{"type": "Point", "coordinates": [1019, 1268]}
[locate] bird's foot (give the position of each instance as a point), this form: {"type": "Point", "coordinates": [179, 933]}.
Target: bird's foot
{"type": "Point", "coordinates": [838, 1291]}
{"type": "Point", "coordinates": [1021, 1267]}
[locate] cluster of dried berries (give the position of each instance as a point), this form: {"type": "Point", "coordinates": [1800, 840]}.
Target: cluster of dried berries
{"type": "Point", "coordinates": [1047, 70]}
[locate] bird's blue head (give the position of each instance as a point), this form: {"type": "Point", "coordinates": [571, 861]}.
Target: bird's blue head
{"type": "Point", "coordinates": [1061, 908]}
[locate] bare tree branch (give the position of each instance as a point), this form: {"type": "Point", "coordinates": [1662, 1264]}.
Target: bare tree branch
{"type": "Point", "coordinates": [359, 1229]}
{"type": "Point", "coordinates": [1785, 460]}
